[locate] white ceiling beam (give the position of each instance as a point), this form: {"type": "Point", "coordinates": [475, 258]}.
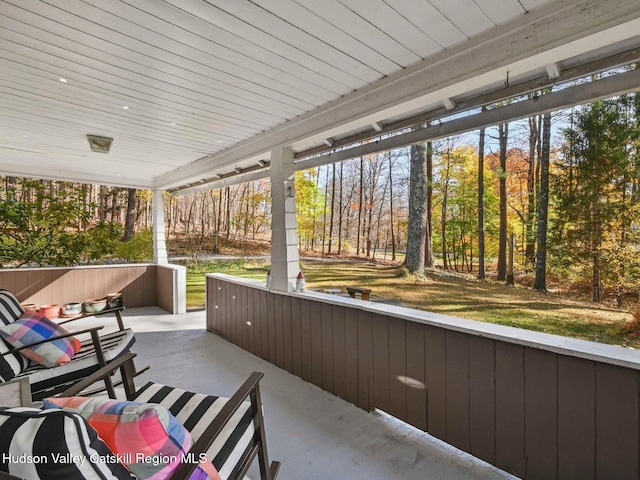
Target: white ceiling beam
{"type": "Point", "coordinates": [226, 182]}
{"type": "Point", "coordinates": [585, 93]}
{"type": "Point", "coordinates": [565, 98]}
{"type": "Point", "coordinates": [329, 142]}
{"type": "Point", "coordinates": [449, 103]}
{"type": "Point", "coordinates": [377, 126]}
{"type": "Point", "coordinates": [553, 71]}
{"type": "Point", "coordinates": [553, 32]}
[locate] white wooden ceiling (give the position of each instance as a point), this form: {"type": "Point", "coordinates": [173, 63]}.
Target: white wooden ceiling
{"type": "Point", "coordinates": [199, 78]}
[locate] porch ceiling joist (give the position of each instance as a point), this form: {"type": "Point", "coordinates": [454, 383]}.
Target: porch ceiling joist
{"type": "Point", "coordinates": [508, 92]}
{"type": "Point", "coordinates": [557, 31]}
{"type": "Point", "coordinates": [585, 93]}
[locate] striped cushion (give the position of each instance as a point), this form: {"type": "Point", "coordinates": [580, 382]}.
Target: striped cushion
{"type": "Point", "coordinates": [11, 364]}
{"type": "Point", "coordinates": [55, 439]}
{"type": "Point", "coordinates": [84, 362]}
{"type": "Point", "coordinates": [196, 411]}
{"type": "Point", "coordinates": [34, 327]}
{"type": "Point", "coordinates": [10, 311]}
{"type": "Point", "coordinates": [10, 308]}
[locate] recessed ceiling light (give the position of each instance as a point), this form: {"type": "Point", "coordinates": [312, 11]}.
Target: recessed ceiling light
{"type": "Point", "coordinates": [125, 107]}
{"type": "Point", "coordinates": [63, 80]}
{"type": "Point", "coordinates": [173, 123]}
{"type": "Point", "coordinates": [219, 141]}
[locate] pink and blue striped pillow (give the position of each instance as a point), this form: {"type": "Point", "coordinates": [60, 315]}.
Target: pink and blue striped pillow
{"type": "Point", "coordinates": [34, 327]}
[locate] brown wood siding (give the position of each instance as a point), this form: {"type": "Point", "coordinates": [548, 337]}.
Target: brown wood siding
{"type": "Point", "coordinates": [141, 285]}
{"type": "Point", "coordinates": [482, 398]}
{"type": "Point", "coordinates": [165, 280]}
{"type": "Point", "coordinates": [540, 413]}
{"type": "Point", "coordinates": [509, 369]}
{"type": "Point", "coordinates": [436, 374]}
{"type": "Point", "coordinates": [534, 413]}
{"type": "Point", "coordinates": [457, 389]}
{"type": "Point", "coordinates": [416, 376]}
{"type": "Point", "coordinates": [616, 422]}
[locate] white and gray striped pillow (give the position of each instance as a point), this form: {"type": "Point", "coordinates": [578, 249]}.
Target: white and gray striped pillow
{"type": "Point", "coordinates": [48, 437]}
{"type": "Point", "coordinates": [11, 364]}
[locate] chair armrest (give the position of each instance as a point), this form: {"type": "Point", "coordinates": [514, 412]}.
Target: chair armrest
{"type": "Point", "coordinates": [116, 310]}
{"type": "Point", "coordinates": [207, 438]}
{"type": "Point", "coordinates": [57, 337]}
{"type": "Point", "coordinates": [98, 375]}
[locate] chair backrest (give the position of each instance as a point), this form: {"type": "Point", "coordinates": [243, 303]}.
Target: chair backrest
{"type": "Point", "coordinates": [10, 308]}
{"type": "Point", "coordinates": [11, 364]}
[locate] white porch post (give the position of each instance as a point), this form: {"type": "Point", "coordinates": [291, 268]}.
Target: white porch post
{"type": "Point", "coordinates": [285, 259]}
{"type": "Point", "coordinates": [159, 242]}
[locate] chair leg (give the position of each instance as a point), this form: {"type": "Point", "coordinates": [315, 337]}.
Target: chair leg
{"type": "Point", "coordinates": [267, 472]}
{"type": "Point", "coordinates": [128, 372]}
{"type": "Point", "coordinates": [103, 362]}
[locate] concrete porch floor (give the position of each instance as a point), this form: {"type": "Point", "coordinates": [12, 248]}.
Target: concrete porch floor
{"type": "Point", "coordinates": [313, 433]}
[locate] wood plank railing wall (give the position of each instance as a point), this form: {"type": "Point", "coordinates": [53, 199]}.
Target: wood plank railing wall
{"type": "Point", "coordinates": [533, 410]}
{"type": "Point", "coordinates": [141, 285]}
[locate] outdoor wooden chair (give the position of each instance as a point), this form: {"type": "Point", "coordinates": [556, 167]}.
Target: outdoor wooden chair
{"type": "Point", "coordinates": [229, 430]}
{"type": "Point", "coordinates": [96, 352]}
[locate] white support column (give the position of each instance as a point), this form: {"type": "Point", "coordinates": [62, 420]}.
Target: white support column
{"type": "Point", "coordinates": [159, 243]}
{"type": "Point", "coordinates": [285, 259]}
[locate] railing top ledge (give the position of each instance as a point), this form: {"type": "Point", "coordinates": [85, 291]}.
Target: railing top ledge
{"type": "Point", "coordinates": [89, 267]}
{"type": "Point", "coordinates": [598, 352]}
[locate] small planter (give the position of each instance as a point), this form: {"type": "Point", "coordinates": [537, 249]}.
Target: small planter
{"type": "Point", "coordinates": [95, 305]}
{"type": "Point", "coordinates": [73, 308]}
{"type": "Point", "coordinates": [29, 307]}
{"type": "Point", "coordinates": [114, 300]}
{"type": "Point", "coordinates": [50, 311]}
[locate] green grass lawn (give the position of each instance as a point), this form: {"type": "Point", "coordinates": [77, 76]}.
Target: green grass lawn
{"type": "Point", "coordinates": [196, 275]}
{"type": "Point", "coordinates": [449, 295]}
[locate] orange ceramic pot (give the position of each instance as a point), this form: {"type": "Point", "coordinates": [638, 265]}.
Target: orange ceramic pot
{"type": "Point", "coordinates": [50, 311]}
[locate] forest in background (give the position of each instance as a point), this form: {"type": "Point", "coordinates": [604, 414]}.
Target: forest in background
{"type": "Point", "coordinates": [583, 162]}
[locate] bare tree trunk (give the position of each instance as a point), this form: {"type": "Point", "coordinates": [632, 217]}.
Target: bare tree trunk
{"type": "Point", "coordinates": [129, 226]}
{"type": "Point", "coordinates": [114, 204]}
{"type": "Point", "coordinates": [481, 246]}
{"type": "Point", "coordinates": [379, 222]}
{"type": "Point", "coordinates": [428, 244]}
{"type": "Point", "coordinates": [510, 263]}
{"type": "Point", "coordinates": [218, 216]}
{"type": "Point", "coordinates": [416, 235]}
{"type": "Point", "coordinates": [228, 211]}
{"type": "Point", "coordinates": [370, 215]}
{"type": "Point", "coordinates": [313, 228]}
{"type": "Point", "coordinates": [360, 204]}
{"type": "Point", "coordinates": [503, 130]}
{"type": "Point", "coordinates": [595, 251]}
{"type": "Point", "coordinates": [216, 223]}
{"type": "Point", "coordinates": [443, 218]}
{"type": "Point", "coordinates": [340, 211]}
{"type": "Point", "coordinates": [391, 221]}
{"type": "Point", "coordinates": [540, 282]}
{"type": "Point", "coordinates": [324, 220]}
{"type": "Point", "coordinates": [103, 203]}
{"type": "Point", "coordinates": [333, 205]}
{"type": "Point", "coordinates": [530, 237]}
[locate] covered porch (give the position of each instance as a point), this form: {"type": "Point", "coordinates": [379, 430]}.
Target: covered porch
{"type": "Point", "coordinates": [205, 94]}
{"type": "Point", "coordinates": [315, 434]}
